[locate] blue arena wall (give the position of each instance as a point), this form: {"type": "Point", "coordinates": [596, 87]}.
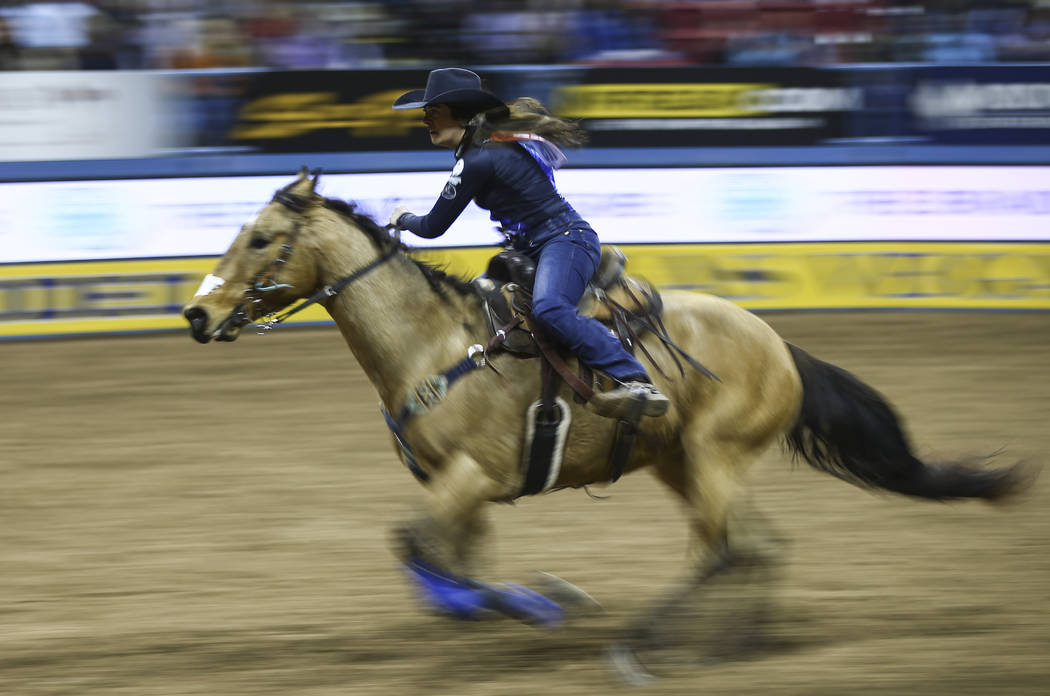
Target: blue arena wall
{"type": "Point", "coordinates": [242, 164]}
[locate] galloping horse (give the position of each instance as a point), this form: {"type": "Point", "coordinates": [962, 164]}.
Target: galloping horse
{"type": "Point", "coordinates": [406, 321]}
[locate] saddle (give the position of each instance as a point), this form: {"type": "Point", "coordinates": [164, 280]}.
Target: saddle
{"type": "Point", "coordinates": [628, 306]}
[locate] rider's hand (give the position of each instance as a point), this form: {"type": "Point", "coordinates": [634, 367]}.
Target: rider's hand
{"type": "Point", "coordinates": [398, 212]}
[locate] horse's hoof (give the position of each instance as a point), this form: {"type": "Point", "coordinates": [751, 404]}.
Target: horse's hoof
{"type": "Point", "coordinates": [404, 544]}
{"type": "Point", "coordinates": [627, 667]}
{"type": "Point", "coordinates": [523, 604]}
{"type": "Point", "coordinates": [571, 597]}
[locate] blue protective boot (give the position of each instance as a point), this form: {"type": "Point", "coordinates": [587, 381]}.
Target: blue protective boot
{"type": "Point", "coordinates": [462, 598]}
{"type": "Point", "coordinates": [444, 593]}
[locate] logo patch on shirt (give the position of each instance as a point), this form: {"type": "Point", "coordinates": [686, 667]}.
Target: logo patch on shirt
{"type": "Point", "coordinates": [449, 192]}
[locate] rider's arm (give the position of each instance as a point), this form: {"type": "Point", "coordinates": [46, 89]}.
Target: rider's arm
{"type": "Point", "coordinates": [468, 177]}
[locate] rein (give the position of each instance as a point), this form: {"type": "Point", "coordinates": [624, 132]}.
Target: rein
{"type": "Point", "coordinates": [331, 290]}
{"type": "Point", "coordinates": [299, 204]}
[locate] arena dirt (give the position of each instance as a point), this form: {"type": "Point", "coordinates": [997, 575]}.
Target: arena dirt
{"type": "Point", "coordinates": [186, 519]}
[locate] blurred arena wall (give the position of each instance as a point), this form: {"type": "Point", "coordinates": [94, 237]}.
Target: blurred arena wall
{"type": "Point", "coordinates": [903, 186]}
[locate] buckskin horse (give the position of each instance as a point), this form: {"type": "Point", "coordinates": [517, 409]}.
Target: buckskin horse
{"type": "Point", "coordinates": [407, 322]}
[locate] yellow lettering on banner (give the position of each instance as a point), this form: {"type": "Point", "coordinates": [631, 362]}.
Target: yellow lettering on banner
{"type": "Point", "coordinates": [1016, 276]}
{"type": "Point", "coordinates": [657, 101]}
{"type": "Point", "coordinates": [903, 274]}
{"type": "Point", "coordinates": [25, 295]}
{"type": "Point", "coordinates": [280, 106]}
{"type": "Point", "coordinates": [290, 115]}
{"type": "Point", "coordinates": [46, 298]}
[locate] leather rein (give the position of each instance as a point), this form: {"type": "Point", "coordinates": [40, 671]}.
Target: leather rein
{"type": "Point", "coordinates": [266, 281]}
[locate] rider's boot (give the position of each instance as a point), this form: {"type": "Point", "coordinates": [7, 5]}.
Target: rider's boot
{"type": "Point", "coordinates": [622, 399]}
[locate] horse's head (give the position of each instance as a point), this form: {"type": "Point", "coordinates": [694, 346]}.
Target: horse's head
{"type": "Point", "coordinates": [263, 271]}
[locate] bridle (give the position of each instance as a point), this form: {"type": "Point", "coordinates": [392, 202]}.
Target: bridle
{"type": "Point", "coordinates": [266, 280]}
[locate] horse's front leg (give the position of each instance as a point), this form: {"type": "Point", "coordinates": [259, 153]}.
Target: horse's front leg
{"type": "Point", "coordinates": [438, 549]}
{"type": "Point", "coordinates": [452, 524]}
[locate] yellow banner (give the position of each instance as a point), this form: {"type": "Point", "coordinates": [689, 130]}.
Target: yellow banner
{"type": "Point", "coordinates": [123, 296]}
{"type": "Point", "coordinates": [656, 100]}
{"type": "Point", "coordinates": [97, 297]}
{"type": "Point", "coordinates": [818, 275]}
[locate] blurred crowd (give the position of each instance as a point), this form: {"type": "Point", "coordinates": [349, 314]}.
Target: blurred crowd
{"type": "Point", "coordinates": [196, 34]}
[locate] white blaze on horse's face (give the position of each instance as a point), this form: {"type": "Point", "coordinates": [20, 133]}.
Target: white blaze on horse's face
{"type": "Point", "coordinates": [209, 284]}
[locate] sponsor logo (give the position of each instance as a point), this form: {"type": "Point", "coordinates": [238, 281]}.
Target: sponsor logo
{"type": "Point", "coordinates": [969, 105]}
{"type": "Point", "coordinates": [293, 114]}
{"type": "Point", "coordinates": [449, 192]}
{"type": "Point", "coordinates": [678, 101]}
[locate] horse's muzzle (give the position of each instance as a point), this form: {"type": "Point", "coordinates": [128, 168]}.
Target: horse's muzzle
{"type": "Point", "coordinates": [228, 330]}
{"type": "Point", "coordinates": [198, 319]}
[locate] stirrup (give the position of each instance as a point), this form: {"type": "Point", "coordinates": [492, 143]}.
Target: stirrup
{"type": "Point", "coordinates": [620, 401]}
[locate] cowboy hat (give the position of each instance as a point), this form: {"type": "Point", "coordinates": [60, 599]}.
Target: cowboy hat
{"type": "Point", "coordinates": [449, 86]}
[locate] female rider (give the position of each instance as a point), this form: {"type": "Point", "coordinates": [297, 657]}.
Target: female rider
{"type": "Point", "coordinates": [505, 161]}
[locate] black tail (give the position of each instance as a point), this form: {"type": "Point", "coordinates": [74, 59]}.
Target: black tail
{"type": "Point", "coordinates": [849, 430]}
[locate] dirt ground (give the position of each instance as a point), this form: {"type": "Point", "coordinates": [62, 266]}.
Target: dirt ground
{"type": "Point", "coordinates": [186, 519]}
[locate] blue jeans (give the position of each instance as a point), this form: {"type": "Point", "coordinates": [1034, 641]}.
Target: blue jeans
{"type": "Point", "coordinates": [564, 265]}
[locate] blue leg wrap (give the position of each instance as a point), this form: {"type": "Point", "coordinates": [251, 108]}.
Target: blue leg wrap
{"type": "Point", "coordinates": [466, 599]}
{"type": "Point", "coordinates": [525, 605]}
{"type": "Point", "coordinates": [445, 593]}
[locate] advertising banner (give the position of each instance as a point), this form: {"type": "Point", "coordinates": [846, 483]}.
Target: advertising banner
{"type": "Point", "coordinates": [151, 218]}
{"type": "Point", "coordinates": [328, 111]}
{"type": "Point", "coordinates": [96, 297]}
{"type": "Point", "coordinates": [337, 111]}
{"type": "Point", "coordinates": [82, 115]}
{"type": "Point", "coordinates": [91, 115]}
{"type": "Point", "coordinates": [147, 295]}
{"type": "Point", "coordinates": [982, 104]}
{"type": "Point", "coordinates": [666, 106]}
{"type": "Point", "coordinates": [709, 107]}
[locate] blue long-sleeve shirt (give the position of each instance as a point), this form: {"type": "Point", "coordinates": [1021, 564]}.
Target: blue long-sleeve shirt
{"type": "Point", "coordinates": [501, 177]}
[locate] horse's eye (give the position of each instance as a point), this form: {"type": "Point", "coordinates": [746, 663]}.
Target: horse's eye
{"type": "Point", "coordinates": [259, 242]}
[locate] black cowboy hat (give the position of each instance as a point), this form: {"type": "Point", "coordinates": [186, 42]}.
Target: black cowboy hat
{"type": "Point", "coordinates": [450, 86]}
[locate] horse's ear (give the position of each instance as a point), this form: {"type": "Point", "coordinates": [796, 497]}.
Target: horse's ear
{"type": "Point", "coordinates": [303, 184]}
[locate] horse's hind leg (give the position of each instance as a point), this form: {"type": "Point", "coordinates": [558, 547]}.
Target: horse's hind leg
{"type": "Point", "coordinates": [708, 479]}
{"type": "Point", "coordinates": [707, 483]}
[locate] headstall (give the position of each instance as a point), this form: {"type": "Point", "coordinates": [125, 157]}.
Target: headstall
{"type": "Point", "coordinates": [266, 281]}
